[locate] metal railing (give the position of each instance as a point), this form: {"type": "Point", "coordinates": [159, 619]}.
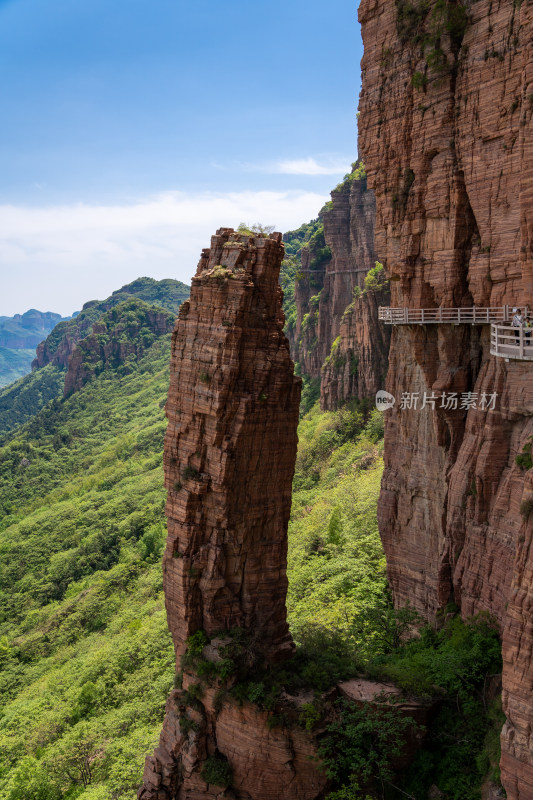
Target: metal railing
{"type": "Point", "coordinates": [508, 342]}
{"type": "Point", "coordinates": [444, 316]}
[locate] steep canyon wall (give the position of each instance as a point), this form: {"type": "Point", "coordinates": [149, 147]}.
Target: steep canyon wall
{"type": "Point", "coordinates": [445, 134]}
{"type": "Point", "coordinates": [327, 312]}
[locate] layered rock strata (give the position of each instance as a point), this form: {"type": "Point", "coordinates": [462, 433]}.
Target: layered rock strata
{"type": "Point", "coordinates": [445, 133]}
{"type": "Point", "coordinates": [324, 295]}
{"type": "Point", "coordinates": [357, 364]}
{"type": "Point", "coordinates": [229, 458]}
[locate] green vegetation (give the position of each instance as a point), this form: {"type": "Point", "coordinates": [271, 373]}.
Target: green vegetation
{"type": "Point", "coordinates": [311, 236]}
{"type": "Point", "coordinates": [257, 229]}
{"type": "Point", "coordinates": [26, 397]}
{"type": "Point", "coordinates": [336, 562]}
{"type": "Point", "coordinates": [452, 666]}
{"type": "Point", "coordinates": [419, 80]}
{"type": "Point", "coordinates": [120, 338]}
{"type": "Point", "coordinates": [357, 173]}
{"type": "Point", "coordinates": [410, 17]}
{"type": "Point", "coordinates": [217, 771]}
{"type": "Point", "coordinates": [167, 294]}
{"type": "Point", "coordinates": [20, 401]}
{"type": "Point", "coordinates": [524, 459]}
{"type": "Point", "coordinates": [423, 25]}
{"type": "Point", "coordinates": [361, 745]}
{"type": "Point", "coordinates": [375, 279]}
{"type": "Point", "coordinates": [335, 357]}
{"type": "Point", "coordinates": [310, 391]}
{"type": "Point", "coordinates": [86, 660]}
{"type": "Point", "coordinates": [462, 746]}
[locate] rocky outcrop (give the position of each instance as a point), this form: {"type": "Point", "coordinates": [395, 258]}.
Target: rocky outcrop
{"type": "Point", "coordinates": [229, 459]}
{"type": "Point", "coordinates": [59, 346]}
{"type": "Point", "coordinates": [445, 134]}
{"type": "Point", "coordinates": [324, 290]}
{"type": "Point", "coordinates": [116, 341]}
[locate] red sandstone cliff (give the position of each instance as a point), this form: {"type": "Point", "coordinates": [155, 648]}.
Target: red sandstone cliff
{"type": "Point", "coordinates": [445, 134]}
{"type": "Point", "coordinates": [229, 459]}
{"type": "Point", "coordinates": [324, 291]}
{"type": "Point", "coordinates": [358, 360]}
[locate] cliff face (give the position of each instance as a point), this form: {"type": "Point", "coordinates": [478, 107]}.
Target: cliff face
{"type": "Point", "coordinates": [229, 459]}
{"type": "Point", "coordinates": [357, 364]}
{"type": "Point", "coordinates": [324, 290]}
{"type": "Point", "coordinates": [445, 133]}
{"type": "Point", "coordinates": [314, 259]}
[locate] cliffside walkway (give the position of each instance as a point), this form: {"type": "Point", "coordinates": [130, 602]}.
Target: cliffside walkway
{"type": "Point", "coordinates": [444, 316]}
{"type": "Point", "coordinates": [505, 341]}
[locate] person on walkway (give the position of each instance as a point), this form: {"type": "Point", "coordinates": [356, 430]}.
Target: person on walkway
{"type": "Point", "coordinates": [517, 323]}
{"type": "Point", "coordinates": [528, 325]}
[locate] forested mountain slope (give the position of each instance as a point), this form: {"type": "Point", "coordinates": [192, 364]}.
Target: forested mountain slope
{"type": "Point", "coordinates": [86, 658]}
{"type": "Point", "coordinates": [24, 398]}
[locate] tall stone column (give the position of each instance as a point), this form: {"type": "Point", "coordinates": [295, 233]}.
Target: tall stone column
{"type": "Point", "coordinates": [229, 459]}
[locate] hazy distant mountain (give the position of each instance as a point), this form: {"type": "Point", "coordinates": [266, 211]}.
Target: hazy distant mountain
{"type": "Point", "coordinates": [24, 331]}
{"type": "Point", "coordinates": [19, 336]}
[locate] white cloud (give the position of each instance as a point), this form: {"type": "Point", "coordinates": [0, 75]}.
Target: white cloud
{"type": "Point", "coordinates": [56, 258]}
{"type": "Point", "coordinates": [309, 166]}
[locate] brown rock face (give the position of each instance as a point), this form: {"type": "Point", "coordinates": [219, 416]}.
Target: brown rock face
{"type": "Point", "coordinates": [357, 364]}
{"type": "Point", "coordinates": [230, 447]}
{"type": "Point", "coordinates": [446, 139]}
{"type": "Point", "coordinates": [229, 459]}
{"type": "Point", "coordinates": [349, 234]}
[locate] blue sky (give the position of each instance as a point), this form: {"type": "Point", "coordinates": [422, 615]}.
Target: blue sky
{"type": "Point", "coordinates": [133, 128]}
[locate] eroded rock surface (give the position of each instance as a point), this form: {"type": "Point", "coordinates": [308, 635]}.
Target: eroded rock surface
{"type": "Point", "coordinates": [445, 134]}
{"type": "Point", "coordinates": [229, 459]}
{"type": "Point", "coordinates": [358, 360]}
{"type": "Point", "coordinates": [325, 301]}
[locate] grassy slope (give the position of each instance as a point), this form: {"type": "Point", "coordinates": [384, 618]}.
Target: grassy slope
{"type": "Point", "coordinates": [336, 564]}
{"type": "Point", "coordinates": [85, 652]}
{"type": "Point", "coordinates": [21, 400]}
{"type": "Point", "coordinates": [86, 657]}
